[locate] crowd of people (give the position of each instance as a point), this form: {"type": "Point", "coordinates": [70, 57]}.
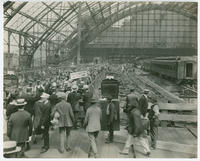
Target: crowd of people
{"type": "Point", "coordinates": [52, 105]}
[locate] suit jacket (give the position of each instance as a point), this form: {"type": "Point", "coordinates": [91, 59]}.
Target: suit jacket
{"type": "Point", "coordinates": [135, 122]}
{"type": "Point", "coordinates": [113, 113]}
{"type": "Point", "coordinates": [73, 98]}
{"type": "Point", "coordinates": [10, 110]}
{"type": "Point", "coordinates": [131, 101]}
{"type": "Point", "coordinates": [30, 99]}
{"type": "Point", "coordinates": [66, 118]}
{"type": "Point", "coordinates": [93, 119]}
{"type": "Point", "coordinates": [53, 99]}
{"type": "Point", "coordinates": [37, 114]}
{"type": "Point", "coordinates": [87, 98]}
{"type": "Point", "coordinates": [46, 112]}
{"type": "Point", "coordinates": [19, 126]}
{"type": "Point", "coordinates": [143, 105]}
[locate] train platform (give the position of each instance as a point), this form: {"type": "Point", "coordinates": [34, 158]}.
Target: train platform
{"type": "Point", "coordinates": [172, 143]}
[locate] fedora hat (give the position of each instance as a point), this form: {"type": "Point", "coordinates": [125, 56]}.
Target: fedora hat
{"type": "Point", "coordinates": [61, 95]}
{"type": "Point", "coordinates": [20, 102]}
{"type": "Point", "coordinates": [10, 147]}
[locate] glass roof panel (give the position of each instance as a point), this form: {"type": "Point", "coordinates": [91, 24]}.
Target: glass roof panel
{"type": "Point", "coordinates": [47, 13]}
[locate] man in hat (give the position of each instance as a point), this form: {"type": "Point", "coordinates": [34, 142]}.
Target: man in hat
{"type": "Point", "coordinates": [143, 103]}
{"type": "Point", "coordinates": [136, 132]}
{"type": "Point", "coordinates": [20, 125]}
{"type": "Point", "coordinates": [93, 126]}
{"type": "Point", "coordinates": [11, 108]}
{"type": "Point", "coordinates": [53, 97]}
{"type": "Point", "coordinates": [45, 120]}
{"type": "Point", "coordinates": [153, 116]}
{"type": "Point", "coordinates": [39, 88]}
{"type": "Point", "coordinates": [111, 117]}
{"type": "Point", "coordinates": [87, 97]}
{"type": "Point", "coordinates": [73, 98]}
{"type": "Point", "coordinates": [30, 99]}
{"type": "Point", "coordinates": [131, 100]}
{"type": "Point", "coordinates": [66, 119]}
{"type": "Point", "coordinates": [37, 113]}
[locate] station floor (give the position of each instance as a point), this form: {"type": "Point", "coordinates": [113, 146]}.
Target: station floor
{"type": "Point", "coordinates": [172, 143]}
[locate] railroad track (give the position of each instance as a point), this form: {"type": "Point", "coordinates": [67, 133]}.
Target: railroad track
{"type": "Point", "coordinates": [130, 79]}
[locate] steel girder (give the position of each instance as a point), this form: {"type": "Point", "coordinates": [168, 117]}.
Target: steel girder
{"type": "Point", "coordinates": [47, 33]}
{"type": "Point", "coordinates": [14, 12]}
{"type": "Point", "coordinates": [39, 22]}
{"type": "Point", "coordinates": [111, 19]}
{"type": "Point", "coordinates": [59, 16]}
{"type": "Point", "coordinates": [100, 25]}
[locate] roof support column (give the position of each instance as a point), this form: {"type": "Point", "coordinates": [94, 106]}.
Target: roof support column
{"type": "Point", "coordinates": [79, 33]}
{"type": "Point", "coordinates": [9, 34]}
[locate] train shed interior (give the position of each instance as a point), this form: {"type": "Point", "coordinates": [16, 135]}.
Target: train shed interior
{"type": "Point", "coordinates": [142, 45]}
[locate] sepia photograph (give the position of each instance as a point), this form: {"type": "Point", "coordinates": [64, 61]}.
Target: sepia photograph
{"type": "Point", "coordinates": [100, 79]}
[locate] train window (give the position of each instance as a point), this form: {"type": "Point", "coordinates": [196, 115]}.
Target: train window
{"type": "Point", "coordinates": [189, 70]}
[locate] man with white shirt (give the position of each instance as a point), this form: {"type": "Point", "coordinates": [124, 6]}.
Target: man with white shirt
{"type": "Point", "coordinates": [93, 126]}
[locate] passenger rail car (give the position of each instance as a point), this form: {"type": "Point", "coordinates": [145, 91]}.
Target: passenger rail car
{"type": "Point", "coordinates": [183, 69]}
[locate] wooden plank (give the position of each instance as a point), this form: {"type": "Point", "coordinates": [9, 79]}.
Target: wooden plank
{"type": "Point", "coordinates": [177, 106]}
{"type": "Point", "coordinates": [178, 118]}
{"type": "Point", "coordinates": [177, 135]}
{"type": "Point", "coordinates": [193, 130]}
{"type": "Point", "coordinates": [176, 147]}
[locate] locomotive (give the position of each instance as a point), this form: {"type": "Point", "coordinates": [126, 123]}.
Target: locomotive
{"type": "Point", "coordinates": [181, 69]}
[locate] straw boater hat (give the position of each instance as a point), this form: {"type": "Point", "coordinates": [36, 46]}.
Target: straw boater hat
{"type": "Point", "coordinates": [20, 102]}
{"type": "Point", "coordinates": [146, 91]}
{"type": "Point", "coordinates": [85, 87]}
{"type": "Point", "coordinates": [45, 95]}
{"type": "Point", "coordinates": [10, 147]}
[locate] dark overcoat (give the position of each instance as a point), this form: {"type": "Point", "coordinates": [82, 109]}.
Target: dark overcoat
{"type": "Point", "coordinates": [19, 126]}
{"type": "Point", "coordinates": [143, 105]}
{"type": "Point", "coordinates": [87, 98]}
{"type": "Point", "coordinates": [73, 98]}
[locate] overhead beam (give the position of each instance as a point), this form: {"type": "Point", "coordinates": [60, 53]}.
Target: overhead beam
{"type": "Point", "coordinates": [59, 15]}
{"type": "Point", "coordinates": [118, 16]}
{"type": "Point", "coordinates": [14, 13]}
{"type": "Point", "coordinates": [39, 22]}
{"type": "Point", "coordinates": [7, 5]}
{"type": "Point", "coordinates": [25, 34]}
{"type": "Point", "coordinates": [91, 13]}
{"type": "Point", "coordinates": [101, 11]}
{"type": "Point", "coordinates": [43, 11]}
